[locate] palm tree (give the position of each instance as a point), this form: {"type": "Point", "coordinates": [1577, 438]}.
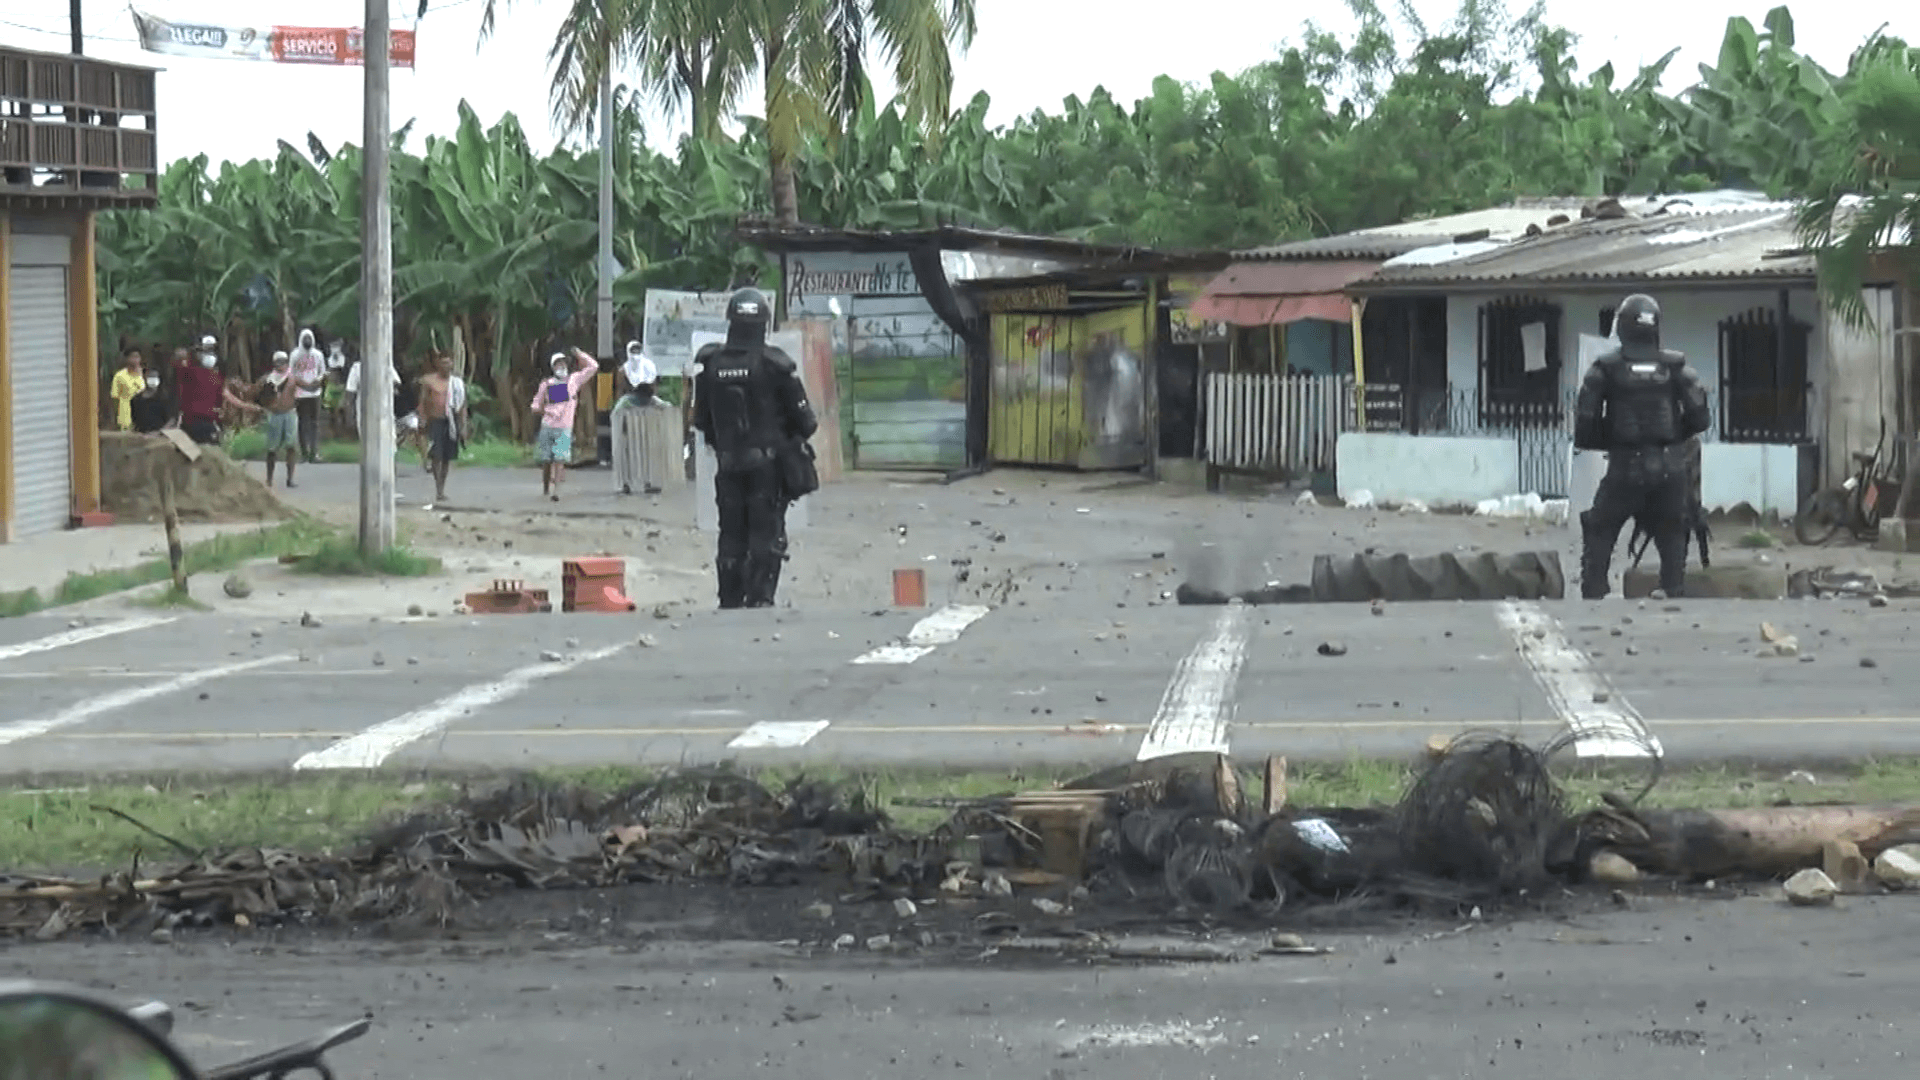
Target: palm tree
{"type": "Point", "coordinates": [1866, 207]}
{"type": "Point", "coordinates": [810, 56]}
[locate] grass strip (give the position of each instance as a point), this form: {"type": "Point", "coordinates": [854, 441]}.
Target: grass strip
{"type": "Point", "coordinates": [53, 827]}
{"type": "Point", "coordinates": [212, 555]}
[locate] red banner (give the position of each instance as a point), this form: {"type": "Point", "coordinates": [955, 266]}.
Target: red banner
{"type": "Point", "coordinates": [334, 45]}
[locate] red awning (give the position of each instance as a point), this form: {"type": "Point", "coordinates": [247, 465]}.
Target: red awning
{"type": "Point", "coordinates": [1277, 293]}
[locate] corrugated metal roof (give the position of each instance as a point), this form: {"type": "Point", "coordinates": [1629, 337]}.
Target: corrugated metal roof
{"type": "Point", "coordinates": [1387, 241]}
{"type": "Point", "coordinates": [1501, 223]}
{"type": "Point", "coordinates": [1680, 245]}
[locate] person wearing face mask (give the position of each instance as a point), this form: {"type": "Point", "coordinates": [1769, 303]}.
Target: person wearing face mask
{"type": "Point", "coordinates": [556, 399]}
{"type": "Point", "coordinates": [150, 410]}
{"type": "Point", "coordinates": [279, 393]}
{"type": "Point", "coordinates": [640, 375]}
{"type": "Point", "coordinates": [308, 368]}
{"type": "Point", "coordinates": [203, 392]}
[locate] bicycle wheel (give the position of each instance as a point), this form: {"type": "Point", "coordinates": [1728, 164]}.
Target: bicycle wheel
{"type": "Point", "coordinates": [1819, 518]}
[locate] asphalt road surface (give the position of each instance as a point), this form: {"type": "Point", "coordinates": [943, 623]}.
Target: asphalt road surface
{"type": "Point", "coordinates": [1745, 987]}
{"type": "Point", "coordinates": [1074, 678]}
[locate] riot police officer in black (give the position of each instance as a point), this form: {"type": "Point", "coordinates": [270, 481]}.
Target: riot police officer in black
{"type": "Point", "coordinates": [1641, 404]}
{"type": "Point", "coordinates": [751, 407]}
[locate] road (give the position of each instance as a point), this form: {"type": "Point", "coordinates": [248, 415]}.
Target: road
{"type": "Point", "coordinates": [1744, 987]}
{"type": "Point", "coordinates": [1063, 678]}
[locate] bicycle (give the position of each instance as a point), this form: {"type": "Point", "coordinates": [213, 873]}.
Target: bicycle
{"type": "Point", "coordinates": [1856, 505]}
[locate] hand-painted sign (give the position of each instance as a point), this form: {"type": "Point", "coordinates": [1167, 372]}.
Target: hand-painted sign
{"type": "Point", "coordinates": [332, 46]}
{"type": "Point", "coordinates": [848, 275]}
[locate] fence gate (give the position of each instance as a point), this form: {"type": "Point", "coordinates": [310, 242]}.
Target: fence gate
{"type": "Point", "coordinates": [1546, 461]}
{"type": "Point", "coordinates": [1277, 424]}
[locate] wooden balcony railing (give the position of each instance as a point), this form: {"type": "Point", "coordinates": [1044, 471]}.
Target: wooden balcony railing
{"type": "Point", "coordinates": [76, 130]}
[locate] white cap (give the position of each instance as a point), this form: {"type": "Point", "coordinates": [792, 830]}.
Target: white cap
{"type": "Point", "coordinates": [640, 370]}
{"type": "Point", "coordinates": [557, 358]}
{"type": "Point", "coordinates": [208, 342]}
{"type": "Point", "coordinates": [279, 355]}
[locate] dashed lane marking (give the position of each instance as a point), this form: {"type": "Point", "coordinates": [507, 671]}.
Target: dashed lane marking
{"type": "Point", "coordinates": [1198, 706]}
{"type": "Point", "coordinates": [82, 634]}
{"type": "Point", "coordinates": [778, 735]}
{"type": "Point", "coordinates": [120, 699]}
{"type": "Point", "coordinates": [1603, 724]}
{"type": "Point", "coordinates": [943, 627]}
{"type": "Point", "coordinates": [1425, 727]}
{"type": "Point", "coordinates": [381, 741]}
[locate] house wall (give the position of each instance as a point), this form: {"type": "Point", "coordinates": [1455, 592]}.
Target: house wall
{"type": "Point", "coordinates": [1690, 323]}
{"type": "Point", "coordinates": [902, 382]}
{"type": "Point", "coordinates": [1864, 392]}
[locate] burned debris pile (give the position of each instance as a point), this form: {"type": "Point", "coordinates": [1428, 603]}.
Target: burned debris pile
{"type": "Point", "coordinates": [1482, 825]}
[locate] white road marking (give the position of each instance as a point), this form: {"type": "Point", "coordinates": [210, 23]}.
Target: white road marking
{"type": "Point", "coordinates": [83, 634]}
{"type": "Point", "coordinates": [381, 741]}
{"type": "Point", "coordinates": [778, 735]}
{"type": "Point", "coordinates": [943, 627]}
{"type": "Point", "coordinates": [121, 673]}
{"type": "Point", "coordinates": [1198, 706]}
{"type": "Point", "coordinates": [120, 699]}
{"type": "Point", "coordinates": [1602, 722]}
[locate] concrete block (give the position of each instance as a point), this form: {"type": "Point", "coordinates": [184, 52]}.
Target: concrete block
{"type": "Point", "coordinates": [1898, 535]}
{"type": "Point", "coordinates": [1753, 581]}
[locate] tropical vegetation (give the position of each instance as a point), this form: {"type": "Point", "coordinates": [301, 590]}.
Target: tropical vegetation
{"type": "Point", "coordinates": [494, 238]}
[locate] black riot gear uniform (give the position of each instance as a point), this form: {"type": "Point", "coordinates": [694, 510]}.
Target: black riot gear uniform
{"type": "Point", "coordinates": [751, 407]}
{"type": "Point", "coordinates": [1641, 404]}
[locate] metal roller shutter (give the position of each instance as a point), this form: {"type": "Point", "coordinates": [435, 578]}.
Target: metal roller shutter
{"type": "Point", "coordinates": [42, 398]}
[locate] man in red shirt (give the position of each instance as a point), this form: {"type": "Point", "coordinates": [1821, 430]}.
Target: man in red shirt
{"type": "Point", "coordinates": [202, 392]}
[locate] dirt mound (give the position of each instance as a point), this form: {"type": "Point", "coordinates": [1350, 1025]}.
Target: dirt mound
{"type": "Point", "coordinates": [215, 489]}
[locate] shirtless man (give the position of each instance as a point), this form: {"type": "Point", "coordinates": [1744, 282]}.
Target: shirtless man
{"type": "Point", "coordinates": [278, 392]}
{"type": "Point", "coordinates": [440, 412]}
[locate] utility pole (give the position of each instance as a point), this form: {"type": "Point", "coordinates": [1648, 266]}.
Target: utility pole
{"type": "Point", "coordinates": [376, 295]}
{"type": "Point", "coordinates": [73, 23]}
{"type": "Point", "coordinates": [605, 343]}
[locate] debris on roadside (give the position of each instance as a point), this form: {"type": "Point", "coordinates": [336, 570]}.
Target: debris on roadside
{"type": "Point", "coordinates": [1482, 828]}
{"type": "Point", "coordinates": [1374, 578]}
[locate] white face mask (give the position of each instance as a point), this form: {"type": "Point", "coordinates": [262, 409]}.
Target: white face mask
{"type": "Point", "coordinates": [208, 360]}
{"type": "Point", "coordinates": [153, 382]}
{"type": "Point", "coordinates": [559, 372]}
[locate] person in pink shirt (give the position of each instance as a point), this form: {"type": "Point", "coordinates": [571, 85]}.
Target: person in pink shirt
{"type": "Point", "coordinates": [555, 401]}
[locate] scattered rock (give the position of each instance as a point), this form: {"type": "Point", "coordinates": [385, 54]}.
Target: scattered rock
{"type": "Point", "coordinates": [415, 611]}
{"type": "Point", "coordinates": [257, 632]}
{"type": "Point", "coordinates": [160, 935]}
{"type": "Point", "coordinates": [1049, 907]}
{"type": "Point", "coordinates": [573, 643]}
{"type": "Point", "coordinates": [1633, 650]}
{"type": "Point", "coordinates": [661, 611]}
{"type": "Point", "coordinates": [905, 908]}
{"type": "Point", "coordinates": [237, 587]}
{"type": "Point", "coordinates": [844, 941]}
{"type": "Point", "coordinates": [645, 641]}
{"type": "Point", "coordinates": [551, 657]}
{"type": "Point", "coordinates": [1287, 941]}
{"type": "Point", "coordinates": [1897, 869]}
{"type": "Point", "coordinates": [821, 911]}
{"type": "Point", "coordinates": [1877, 600]}
{"type": "Point", "coordinates": [1601, 697]}
{"type": "Point", "coordinates": [1801, 776]}
{"type": "Point", "coordinates": [1379, 607]}
{"type": "Point", "coordinates": [1869, 662]}
{"type": "Point", "coordinates": [379, 660]}
{"type": "Point", "coordinates": [996, 884]}
{"type": "Point", "coordinates": [1332, 648]}
{"type": "Point", "coordinates": [1612, 868]}
{"type": "Point", "coordinates": [307, 620]}
{"type": "Point", "coordinates": [413, 661]}
{"type": "Point", "coordinates": [880, 942]}
{"type": "Point", "coordinates": [1811, 888]}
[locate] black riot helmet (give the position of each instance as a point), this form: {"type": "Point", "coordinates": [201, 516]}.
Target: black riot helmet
{"type": "Point", "coordinates": [749, 306]}
{"type": "Point", "coordinates": [748, 314]}
{"type": "Point", "coordinates": [1637, 323]}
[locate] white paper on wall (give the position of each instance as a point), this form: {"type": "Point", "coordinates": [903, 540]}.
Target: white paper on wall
{"type": "Point", "coordinates": [1533, 345]}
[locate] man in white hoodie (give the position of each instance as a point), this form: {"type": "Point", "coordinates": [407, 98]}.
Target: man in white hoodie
{"type": "Point", "coordinates": [309, 372]}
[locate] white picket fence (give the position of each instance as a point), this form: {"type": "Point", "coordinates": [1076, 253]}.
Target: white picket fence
{"type": "Point", "coordinates": [1279, 424]}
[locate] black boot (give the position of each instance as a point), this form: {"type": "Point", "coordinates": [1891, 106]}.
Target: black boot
{"type": "Point", "coordinates": [732, 574]}
{"type": "Point", "coordinates": [763, 579]}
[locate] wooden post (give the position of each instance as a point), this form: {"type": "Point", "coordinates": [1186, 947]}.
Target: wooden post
{"type": "Point", "coordinates": [170, 518]}
{"type": "Point", "coordinates": [376, 296]}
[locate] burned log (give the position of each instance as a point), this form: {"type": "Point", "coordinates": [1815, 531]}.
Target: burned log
{"type": "Point", "coordinates": [1765, 841]}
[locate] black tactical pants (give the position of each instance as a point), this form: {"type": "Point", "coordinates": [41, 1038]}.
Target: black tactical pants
{"type": "Point", "coordinates": [1648, 485]}
{"type": "Point", "coordinates": [753, 535]}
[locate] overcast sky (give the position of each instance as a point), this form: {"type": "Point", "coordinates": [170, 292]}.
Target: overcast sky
{"type": "Point", "coordinates": [1029, 54]}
